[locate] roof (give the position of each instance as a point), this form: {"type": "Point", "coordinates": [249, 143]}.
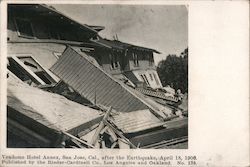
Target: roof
{"type": "Point", "coordinates": [99, 87]}
{"type": "Point", "coordinates": [51, 110]}
{"type": "Point", "coordinates": [116, 44]}
{"type": "Point", "coordinates": [69, 18]}
{"type": "Point", "coordinates": [51, 11]}
{"type": "Point", "coordinates": [136, 121]}
{"type": "Point", "coordinates": [93, 83]}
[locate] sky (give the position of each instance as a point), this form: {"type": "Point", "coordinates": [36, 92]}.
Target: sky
{"type": "Point", "coordinates": [160, 27]}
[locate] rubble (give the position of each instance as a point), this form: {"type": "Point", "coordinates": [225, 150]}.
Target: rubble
{"type": "Point", "coordinates": [83, 91]}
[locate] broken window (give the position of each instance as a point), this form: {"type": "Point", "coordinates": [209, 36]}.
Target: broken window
{"type": "Point", "coordinates": [24, 28]}
{"type": "Point", "coordinates": [135, 59]}
{"type": "Point", "coordinates": [29, 70]}
{"type": "Point", "coordinates": [114, 61]}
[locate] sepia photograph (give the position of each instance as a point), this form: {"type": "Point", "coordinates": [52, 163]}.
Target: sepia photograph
{"type": "Point", "coordinates": [118, 83]}
{"type": "Point", "coordinates": [97, 76]}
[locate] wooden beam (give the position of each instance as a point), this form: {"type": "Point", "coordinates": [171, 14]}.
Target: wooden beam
{"type": "Point", "coordinates": [100, 127]}
{"type": "Point", "coordinates": [29, 71]}
{"type": "Point", "coordinates": [104, 130]}
{"type": "Point", "coordinates": [53, 76]}
{"type": "Point", "coordinates": [112, 134]}
{"type": "Point", "coordinates": [123, 144]}
{"type": "Point", "coordinates": [77, 139]}
{"type": "Point", "coordinates": [119, 134]}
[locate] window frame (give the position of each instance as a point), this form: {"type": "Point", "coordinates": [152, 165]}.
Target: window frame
{"type": "Point", "coordinates": [114, 63]}
{"type": "Point", "coordinates": [145, 79]}
{"type": "Point", "coordinates": [151, 77]}
{"type": "Point", "coordinates": [135, 59]}
{"type": "Point", "coordinates": [150, 59]}
{"type": "Point", "coordinates": [17, 58]}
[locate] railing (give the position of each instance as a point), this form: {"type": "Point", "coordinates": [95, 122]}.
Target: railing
{"type": "Point", "coordinates": [157, 94]}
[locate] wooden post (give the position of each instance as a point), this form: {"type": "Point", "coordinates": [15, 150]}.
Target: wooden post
{"type": "Point", "coordinates": [77, 139]}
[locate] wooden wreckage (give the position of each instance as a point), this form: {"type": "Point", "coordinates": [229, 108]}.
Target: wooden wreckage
{"type": "Point", "coordinates": [119, 118]}
{"type": "Point", "coordinates": [73, 94]}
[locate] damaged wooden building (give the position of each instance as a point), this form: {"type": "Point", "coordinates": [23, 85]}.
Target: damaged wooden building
{"type": "Point", "coordinates": [69, 87]}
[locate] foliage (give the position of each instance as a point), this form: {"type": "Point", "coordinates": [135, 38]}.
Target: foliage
{"type": "Point", "coordinates": [173, 71]}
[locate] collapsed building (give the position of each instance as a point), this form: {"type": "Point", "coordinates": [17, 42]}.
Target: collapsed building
{"type": "Point", "coordinates": [69, 87]}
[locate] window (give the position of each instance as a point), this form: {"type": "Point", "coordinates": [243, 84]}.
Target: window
{"type": "Point", "coordinates": [30, 71]}
{"type": "Point", "coordinates": [150, 59]}
{"type": "Point", "coordinates": [95, 38]}
{"type": "Point", "coordinates": [114, 61]}
{"type": "Point", "coordinates": [24, 28]}
{"type": "Point", "coordinates": [150, 63]}
{"type": "Point", "coordinates": [151, 77]}
{"type": "Point", "coordinates": [156, 79]}
{"type": "Point", "coordinates": [135, 59]}
{"type": "Point", "coordinates": [143, 76]}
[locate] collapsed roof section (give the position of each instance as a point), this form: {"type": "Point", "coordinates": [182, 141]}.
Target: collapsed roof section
{"type": "Point", "coordinates": [47, 109]}
{"type": "Point", "coordinates": [94, 84]}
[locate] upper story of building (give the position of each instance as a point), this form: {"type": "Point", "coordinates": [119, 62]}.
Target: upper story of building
{"type": "Point", "coordinates": [38, 23]}
{"type": "Point", "coordinates": [116, 56]}
{"type": "Point", "coordinates": [48, 32]}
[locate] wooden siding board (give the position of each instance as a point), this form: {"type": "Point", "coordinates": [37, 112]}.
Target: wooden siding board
{"type": "Point", "coordinates": [73, 70]}
{"type": "Point", "coordinates": [100, 90]}
{"type": "Point", "coordinates": [59, 69]}
{"type": "Point", "coordinates": [85, 87]}
{"type": "Point", "coordinates": [77, 81]}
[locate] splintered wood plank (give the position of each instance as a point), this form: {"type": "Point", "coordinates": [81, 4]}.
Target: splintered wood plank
{"type": "Point", "coordinates": [112, 134]}
{"type": "Point", "coordinates": [100, 127]}
{"type": "Point", "coordinates": [29, 71]}
{"type": "Point", "coordinates": [122, 144]}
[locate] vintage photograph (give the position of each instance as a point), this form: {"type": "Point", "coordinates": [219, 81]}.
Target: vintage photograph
{"type": "Point", "coordinates": [97, 76]}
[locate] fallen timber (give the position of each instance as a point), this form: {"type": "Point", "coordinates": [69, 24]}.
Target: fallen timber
{"type": "Point", "coordinates": [108, 136]}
